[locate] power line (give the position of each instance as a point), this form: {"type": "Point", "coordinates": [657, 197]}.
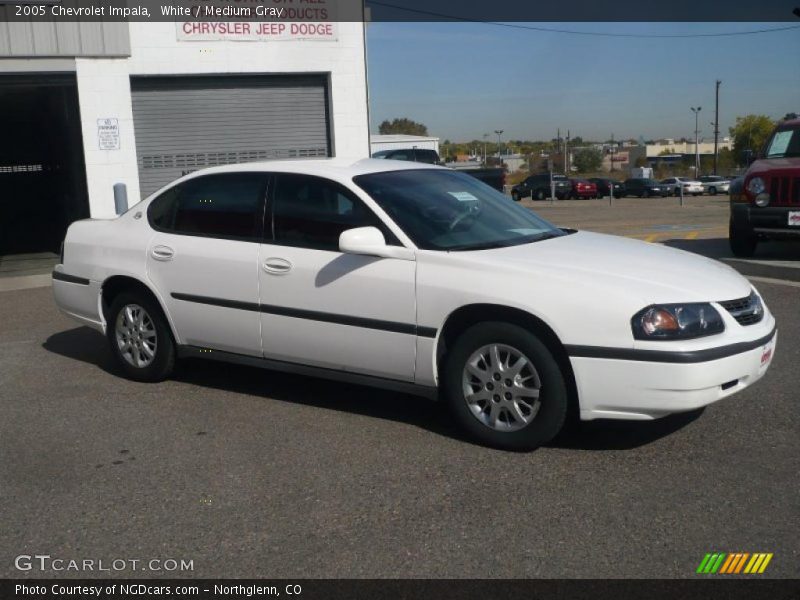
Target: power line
{"type": "Point", "coordinates": [574, 32]}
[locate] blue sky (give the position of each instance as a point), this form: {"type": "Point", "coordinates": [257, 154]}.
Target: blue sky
{"type": "Point", "coordinates": [466, 79]}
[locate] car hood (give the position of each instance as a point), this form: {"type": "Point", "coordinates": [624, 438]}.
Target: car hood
{"type": "Point", "coordinates": [652, 272]}
{"type": "Point", "coordinates": [769, 164]}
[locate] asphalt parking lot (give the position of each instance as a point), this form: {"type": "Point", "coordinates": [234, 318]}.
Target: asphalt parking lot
{"type": "Point", "coordinates": [249, 473]}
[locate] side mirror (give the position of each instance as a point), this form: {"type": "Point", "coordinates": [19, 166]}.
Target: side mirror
{"type": "Point", "coordinates": [369, 241]}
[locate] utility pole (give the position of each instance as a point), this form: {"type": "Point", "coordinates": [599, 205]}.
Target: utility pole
{"type": "Point", "coordinates": [566, 153]}
{"type": "Point", "coordinates": [696, 112]}
{"type": "Point", "coordinates": [485, 136]}
{"type": "Point", "coordinates": [716, 128]}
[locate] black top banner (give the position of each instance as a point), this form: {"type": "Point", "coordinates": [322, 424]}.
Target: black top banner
{"type": "Point", "coordinates": [508, 11]}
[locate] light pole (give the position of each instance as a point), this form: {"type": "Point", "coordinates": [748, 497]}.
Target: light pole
{"type": "Point", "coordinates": [696, 112]}
{"type": "Point", "coordinates": [485, 135]}
{"type": "Point", "coordinates": [716, 128]}
{"type": "Point", "coordinates": [499, 132]}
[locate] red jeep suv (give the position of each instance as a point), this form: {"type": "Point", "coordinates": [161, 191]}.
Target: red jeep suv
{"type": "Point", "coordinates": [766, 202]}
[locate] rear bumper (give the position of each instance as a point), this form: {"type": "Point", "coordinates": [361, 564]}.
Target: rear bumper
{"type": "Point", "coordinates": [78, 298]}
{"type": "Point", "coordinates": [645, 390]}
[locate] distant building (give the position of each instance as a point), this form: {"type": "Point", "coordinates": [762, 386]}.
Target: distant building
{"type": "Point", "coordinates": [380, 142]}
{"type": "Point", "coordinates": [670, 147]}
{"type": "Point", "coordinates": [514, 162]}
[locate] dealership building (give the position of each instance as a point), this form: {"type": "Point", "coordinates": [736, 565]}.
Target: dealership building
{"type": "Point", "coordinates": [84, 106]}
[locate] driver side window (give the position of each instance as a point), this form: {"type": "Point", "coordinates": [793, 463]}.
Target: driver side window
{"type": "Point", "coordinates": [312, 212]}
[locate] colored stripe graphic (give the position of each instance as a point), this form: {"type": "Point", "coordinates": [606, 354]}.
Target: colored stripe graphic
{"type": "Point", "coordinates": [734, 563]}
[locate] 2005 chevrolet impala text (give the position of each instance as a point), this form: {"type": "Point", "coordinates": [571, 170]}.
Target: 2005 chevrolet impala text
{"type": "Point", "coordinates": [417, 278]}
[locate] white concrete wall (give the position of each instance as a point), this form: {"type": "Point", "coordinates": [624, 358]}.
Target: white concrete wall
{"type": "Point", "coordinates": [104, 89]}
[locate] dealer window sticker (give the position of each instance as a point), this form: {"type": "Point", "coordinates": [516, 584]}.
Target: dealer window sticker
{"type": "Point", "coordinates": [780, 143]}
{"type": "Point", "coordinates": [463, 196]}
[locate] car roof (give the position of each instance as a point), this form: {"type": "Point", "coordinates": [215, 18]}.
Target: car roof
{"type": "Point", "coordinates": [336, 168]}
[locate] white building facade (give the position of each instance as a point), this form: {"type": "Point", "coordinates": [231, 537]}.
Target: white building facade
{"type": "Point", "coordinates": [96, 104]}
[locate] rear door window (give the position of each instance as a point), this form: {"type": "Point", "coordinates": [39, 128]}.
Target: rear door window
{"type": "Point", "coordinates": [229, 206]}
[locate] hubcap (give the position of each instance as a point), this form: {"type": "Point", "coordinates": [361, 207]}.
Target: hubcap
{"type": "Point", "coordinates": [501, 387]}
{"type": "Point", "coordinates": [136, 336]}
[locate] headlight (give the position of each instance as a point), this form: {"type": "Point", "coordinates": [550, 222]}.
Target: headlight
{"type": "Point", "coordinates": [676, 322]}
{"type": "Point", "coordinates": [756, 186]}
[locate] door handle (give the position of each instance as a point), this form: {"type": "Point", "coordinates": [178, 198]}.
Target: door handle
{"type": "Point", "coordinates": [277, 266]}
{"type": "Point", "coordinates": [162, 253]}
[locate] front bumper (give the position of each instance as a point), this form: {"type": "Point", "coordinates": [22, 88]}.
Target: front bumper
{"type": "Point", "coordinates": [645, 390]}
{"type": "Point", "coordinates": [767, 221]}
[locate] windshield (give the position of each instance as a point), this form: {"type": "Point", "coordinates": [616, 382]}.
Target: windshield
{"type": "Point", "coordinates": [447, 210]}
{"type": "Point", "coordinates": [784, 144]}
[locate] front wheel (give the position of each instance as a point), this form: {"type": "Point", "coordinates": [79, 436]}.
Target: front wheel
{"type": "Point", "coordinates": [504, 387]}
{"type": "Point", "coordinates": [743, 243]}
{"type": "Point", "coordinates": [540, 195]}
{"type": "Point", "coordinates": [140, 338]}
{"type": "Point", "coordinates": [712, 191]}
{"type": "Point", "coordinates": [515, 195]}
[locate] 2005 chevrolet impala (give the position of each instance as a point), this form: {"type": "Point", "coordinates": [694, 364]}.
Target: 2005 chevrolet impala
{"type": "Point", "coordinates": [419, 278]}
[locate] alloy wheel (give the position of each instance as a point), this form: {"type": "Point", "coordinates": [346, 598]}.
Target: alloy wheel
{"type": "Point", "coordinates": [501, 387]}
{"type": "Point", "coordinates": [136, 336]}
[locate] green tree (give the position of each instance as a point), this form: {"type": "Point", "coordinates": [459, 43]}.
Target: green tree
{"type": "Point", "coordinates": [404, 125]}
{"type": "Point", "coordinates": [749, 134]}
{"type": "Point", "coordinates": [587, 160]}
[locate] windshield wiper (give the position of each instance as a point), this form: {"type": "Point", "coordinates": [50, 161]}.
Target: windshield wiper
{"type": "Point", "coordinates": [538, 237]}
{"type": "Point", "coordinates": [483, 246]}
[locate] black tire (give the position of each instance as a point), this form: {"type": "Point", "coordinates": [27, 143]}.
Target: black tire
{"type": "Point", "coordinates": [515, 195]}
{"type": "Point", "coordinates": [540, 195]}
{"type": "Point", "coordinates": [552, 410]}
{"type": "Point", "coordinates": [163, 361]}
{"type": "Point", "coordinates": [743, 243]}
{"type": "Point", "coordinates": [645, 194]}
{"type": "Point", "coordinates": [712, 191]}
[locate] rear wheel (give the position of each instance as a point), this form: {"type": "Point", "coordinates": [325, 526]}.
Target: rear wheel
{"type": "Point", "coordinates": [645, 194]}
{"type": "Point", "coordinates": [540, 195]}
{"type": "Point", "coordinates": [140, 338]}
{"type": "Point", "coordinates": [504, 387]}
{"type": "Point", "coordinates": [515, 195]}
{"type": "Point", "coordinates": [712, 191]}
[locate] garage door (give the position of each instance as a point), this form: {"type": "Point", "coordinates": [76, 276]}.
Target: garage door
{"type": "Point", "coordinates": [187, 123]}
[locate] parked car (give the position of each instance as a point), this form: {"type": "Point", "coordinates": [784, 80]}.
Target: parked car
{"type": "Point", "coordinates": [690, 186]}
{"type": "Point", "coordinates": [492, 176]}
{"type": "Point", "coordinates": [538, 187]}
{"type": "Point", "coordinates": [604, 186]}
{"type": "Point", "coordinates": [715, 184]}
{"type": "Point", "coordinates": [644, 188]}
{"type": "Point", "coordinates": [582, 188]}
{"type": "Point", "coordinates": [430, 157]}
{"type": "Point", "coordinates": [767, 204]}
{"type": "Point", "coordinates": [417, 278]}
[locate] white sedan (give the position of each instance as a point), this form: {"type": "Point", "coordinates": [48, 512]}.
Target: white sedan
{"type": "Point", "coordinates": [414, 278]}
{"type": "Point", "coordinates": [690, 186]}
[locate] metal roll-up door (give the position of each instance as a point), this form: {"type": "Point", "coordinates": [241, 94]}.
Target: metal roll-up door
{"type": "Point", "coordinates": [183, 124]}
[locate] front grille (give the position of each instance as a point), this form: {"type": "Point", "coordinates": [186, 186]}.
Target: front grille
{"type": "Point", "coordinates": [746, 311]}
{"type": "Point", "coordinates": [784, 190]}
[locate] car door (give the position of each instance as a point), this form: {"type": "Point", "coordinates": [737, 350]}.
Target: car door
{"type": "Point", "coordinates": [203, 259]}
{"type": "Point", "coordinates": [322, 307]}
